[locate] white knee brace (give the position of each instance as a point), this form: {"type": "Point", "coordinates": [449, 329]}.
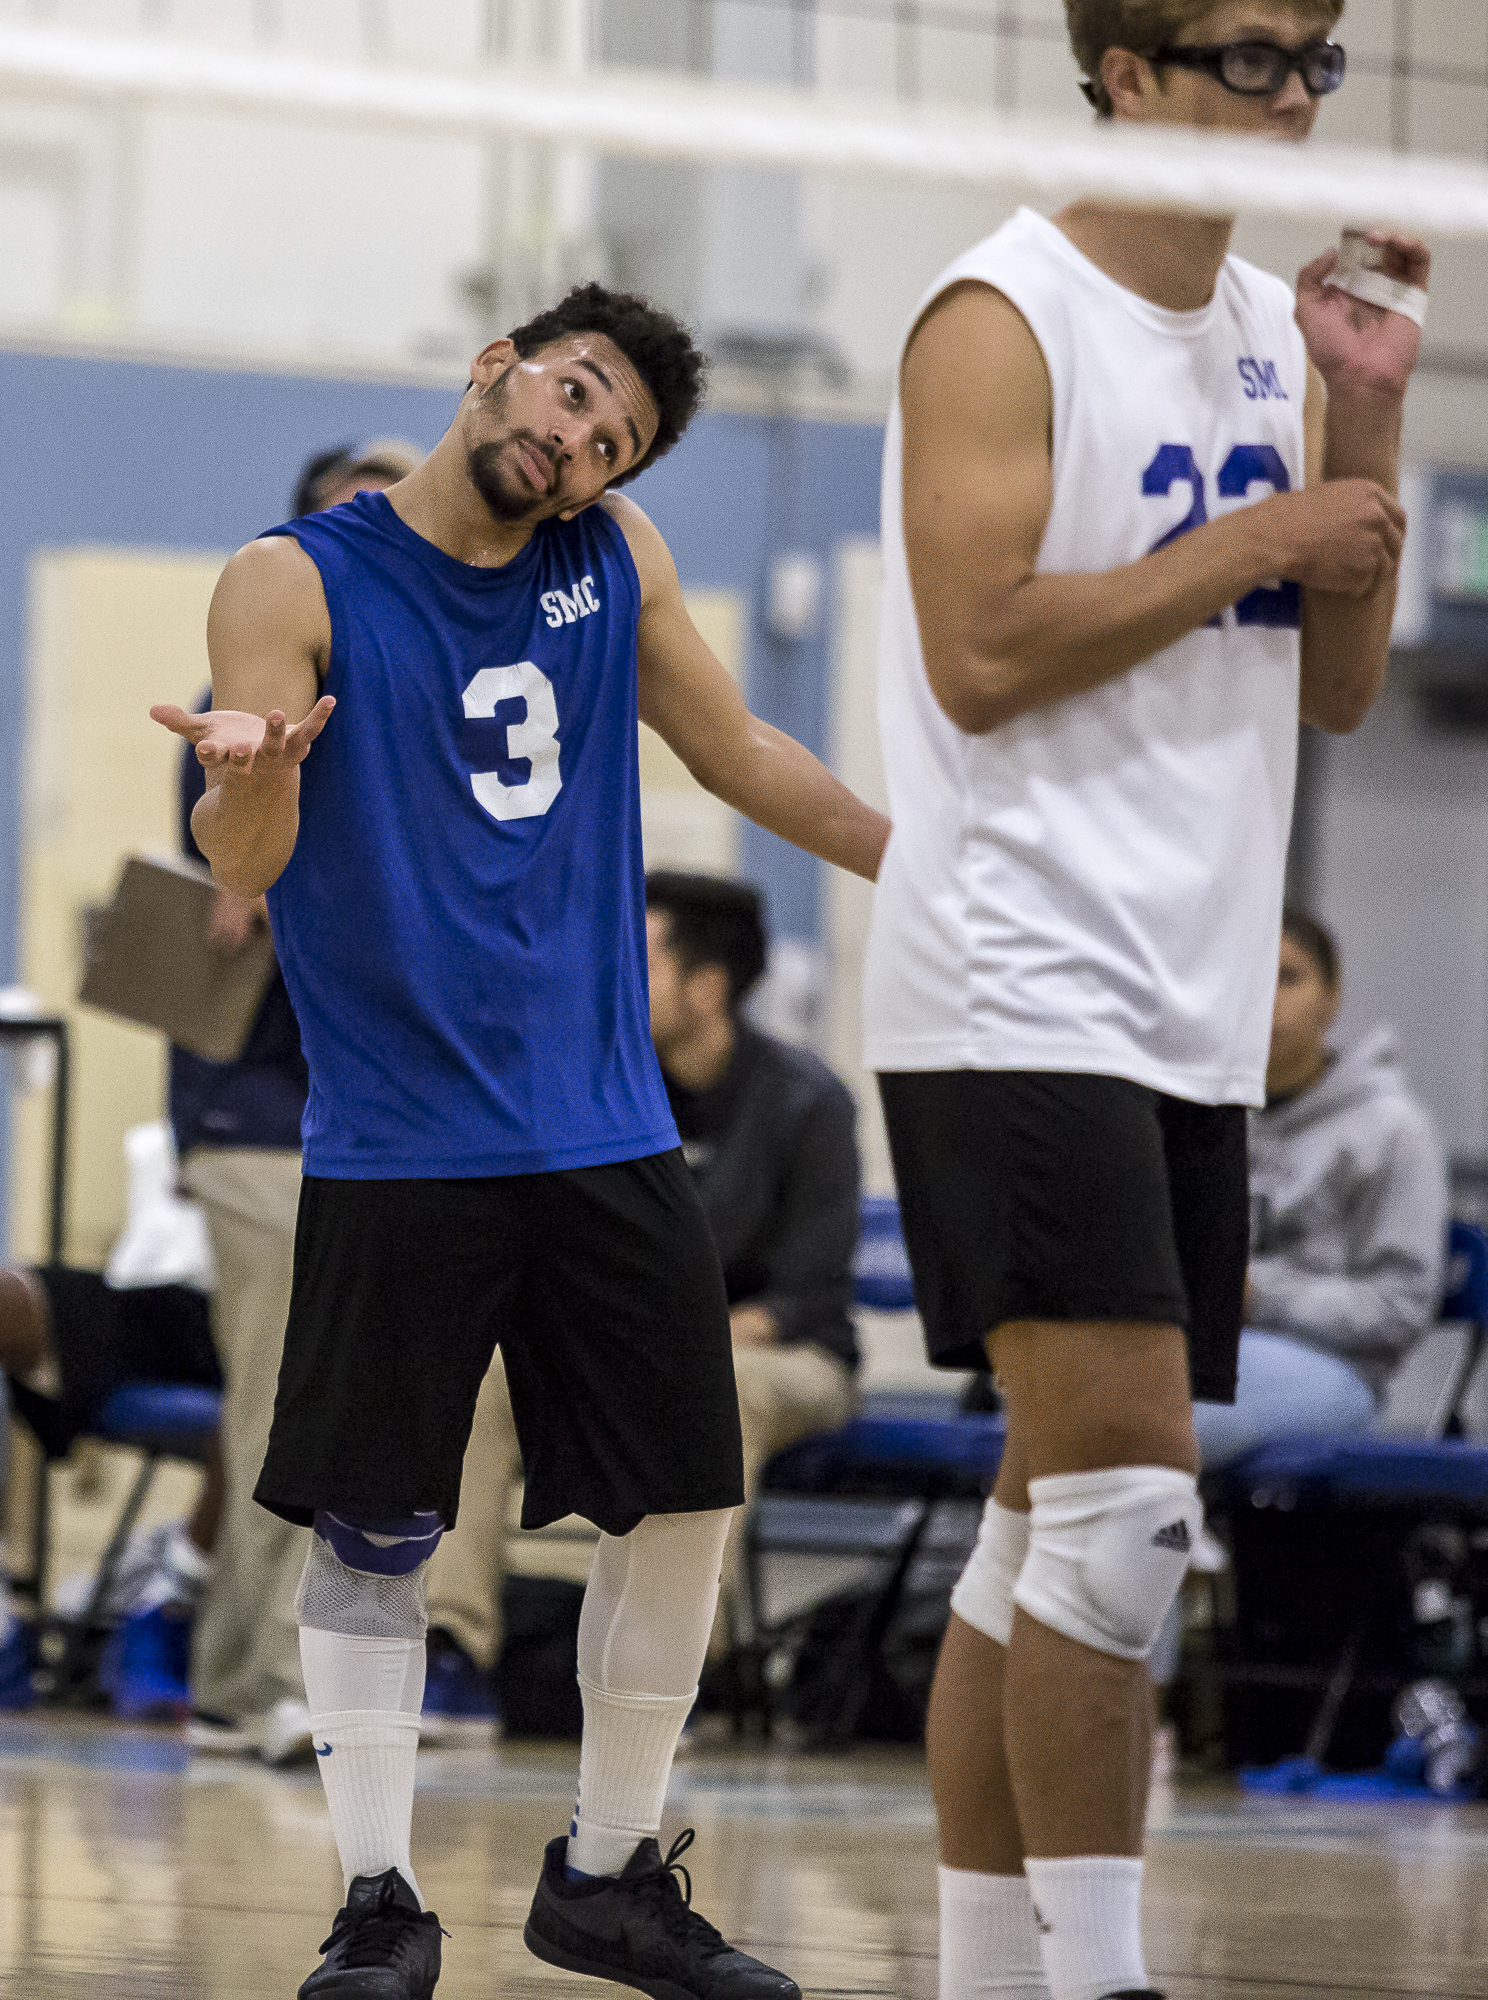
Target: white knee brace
{"type": "Point", "coordinates": [333, 1597]}
{"type": "Point", "coordinates": [1107, 1553]}
{"type": "Point", "coordinates": [983, 1596]}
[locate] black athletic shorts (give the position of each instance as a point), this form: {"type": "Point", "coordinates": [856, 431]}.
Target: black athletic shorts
{"type": "Point", "coordinates": [1040, 1195]}
{"type": "Point", "coordinates": [102, 1338]}
{"type": "Point", "coordinates": [603, 1289]}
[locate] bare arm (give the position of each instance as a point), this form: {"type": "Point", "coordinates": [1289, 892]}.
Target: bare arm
{"type": "Point", "coordinates": [268, 634]}
{"type": "Point", "coordinates": [1353, 432]}
{"type": "Point", "coordinates": [690, 701]}
{"type": "Point", "coordinates": [1000, 639]}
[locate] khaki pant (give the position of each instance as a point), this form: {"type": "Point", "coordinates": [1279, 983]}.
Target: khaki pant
{"type": "Point", "coordinates": [784, 1394]}
{"type": "Point", "coordinates": [246, 1647]}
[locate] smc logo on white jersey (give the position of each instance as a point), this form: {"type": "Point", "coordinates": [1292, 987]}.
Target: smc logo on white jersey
{"type": "Point", "coordinates": [564, 607]}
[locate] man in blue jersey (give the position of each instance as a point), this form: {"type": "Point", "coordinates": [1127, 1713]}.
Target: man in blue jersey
{"type": "Point", "coordinates": [455, 881]}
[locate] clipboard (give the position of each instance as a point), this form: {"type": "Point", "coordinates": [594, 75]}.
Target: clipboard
{"type": "Point", "coordinates": [149, 960]}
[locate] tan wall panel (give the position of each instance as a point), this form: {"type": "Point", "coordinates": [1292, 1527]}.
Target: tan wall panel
{"type": "Point", "coordinates": [682, 826]}
{"type": "Point", "coordinates": [111, 631]}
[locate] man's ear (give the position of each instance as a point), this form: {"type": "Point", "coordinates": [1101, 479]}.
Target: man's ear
{"type": "Point", "coordinates": [492, 361]}
{"type": "Point", "coordinates": [573, 513]}
{"type": "Point", "coordinates": [1130, 81]}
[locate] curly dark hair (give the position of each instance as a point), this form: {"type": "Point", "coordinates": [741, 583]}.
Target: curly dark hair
{"type": "Point", "coordinates": [658, 347]}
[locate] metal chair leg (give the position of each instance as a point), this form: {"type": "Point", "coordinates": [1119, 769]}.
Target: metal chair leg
{"type": "Point", "coordinates": [41, 1533]}
{"type": "Point", "coordinates": [71, 1681]}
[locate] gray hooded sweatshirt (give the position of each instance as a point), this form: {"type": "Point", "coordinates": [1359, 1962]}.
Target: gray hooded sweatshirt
{"type": "Point", "coordinates": [1348, 1203]}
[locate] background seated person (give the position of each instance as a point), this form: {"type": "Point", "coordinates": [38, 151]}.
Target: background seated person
{"type": "Point", "coordinates": [1348, 1221]}
{"type": "Point", "coordinates": [768, 1132]}
{"type": "Point", "coordinates": [67, 1340]}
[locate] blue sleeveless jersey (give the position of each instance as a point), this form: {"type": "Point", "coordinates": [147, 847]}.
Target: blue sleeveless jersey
{"type": "Point", "coordinates": [462, 923]}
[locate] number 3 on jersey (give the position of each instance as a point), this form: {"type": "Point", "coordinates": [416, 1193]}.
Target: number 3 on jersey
{"type": "Point", "coordinates": [526, 779]}
{"type": "Point", "coordinates": [1247, 465]}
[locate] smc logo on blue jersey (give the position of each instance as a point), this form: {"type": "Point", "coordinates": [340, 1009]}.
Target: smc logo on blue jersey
{"type": "Point", "coordinates": [564, 607]}
{"type": "Point", "coordinates": [1261, 382]}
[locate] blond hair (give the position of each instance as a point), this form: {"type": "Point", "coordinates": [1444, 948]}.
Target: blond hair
{"type": "Point", "coordinates": [1144, 26]}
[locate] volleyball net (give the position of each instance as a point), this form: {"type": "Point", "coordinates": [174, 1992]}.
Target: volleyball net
{"type": "Point", "coordinates": [668, 118]}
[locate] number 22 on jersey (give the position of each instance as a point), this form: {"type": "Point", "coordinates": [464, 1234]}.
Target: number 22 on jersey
{"type": "Point", "coordinates": [1247, 465]}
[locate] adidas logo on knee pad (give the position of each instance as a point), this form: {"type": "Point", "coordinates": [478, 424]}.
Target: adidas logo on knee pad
{"type": "Point", "coordinates": [1106, 1553]}
{"type": "Point", "coordinates": [1174, 1536]}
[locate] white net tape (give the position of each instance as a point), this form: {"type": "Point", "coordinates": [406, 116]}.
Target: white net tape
{"type": "Point", "coordinates": [672, 120]}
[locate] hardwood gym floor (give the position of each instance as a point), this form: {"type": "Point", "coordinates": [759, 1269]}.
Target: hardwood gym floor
{"type": "Point", "coordinates": [130, 1872]}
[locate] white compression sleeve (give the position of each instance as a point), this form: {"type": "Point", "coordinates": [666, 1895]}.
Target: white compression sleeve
{"type": "Point", "coordinates": [643, 1635]}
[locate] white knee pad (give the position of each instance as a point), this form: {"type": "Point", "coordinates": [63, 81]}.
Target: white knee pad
{"type": "Point", "coordinates": [1107, 1553]}
{"type": "Point", "coordinates": [357, 1602]}
{"type": "Point", "coordinates": [983, 1596]}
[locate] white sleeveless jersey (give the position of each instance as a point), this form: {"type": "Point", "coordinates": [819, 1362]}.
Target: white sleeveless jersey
{"type": "Point", "coordinates": [1097, 885]}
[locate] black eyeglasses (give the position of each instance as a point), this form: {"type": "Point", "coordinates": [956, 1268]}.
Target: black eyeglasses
{"type": "Point", "coordinates": [1261, 69]}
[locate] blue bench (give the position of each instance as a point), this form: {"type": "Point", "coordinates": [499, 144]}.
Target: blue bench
{"type": "Point", "coordinates": [1445, 1474]}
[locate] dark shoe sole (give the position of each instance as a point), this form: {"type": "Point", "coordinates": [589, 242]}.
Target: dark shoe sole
{"type": "Point", "coordinates": [597, 1968]}
{"type": "Point", "coordinates": [350, 1986]}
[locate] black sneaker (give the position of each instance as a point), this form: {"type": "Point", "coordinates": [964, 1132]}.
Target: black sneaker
{"type": "Point", "coordinates": [639, 1928]}
{"type": "Point", "coordinates": [382, 1946]}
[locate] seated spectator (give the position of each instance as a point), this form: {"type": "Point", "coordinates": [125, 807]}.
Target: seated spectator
{"type": "Point", "coordinates": [66, 1342]}
{"type": "Point", "coordinates": [767, 1130]}
{"type": "Point", "coordinates": [1348, 1215]}
{"type": "Point", "coordinates": [1348, 1200]}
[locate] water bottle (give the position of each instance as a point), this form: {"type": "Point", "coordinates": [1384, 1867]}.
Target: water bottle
{"type": "Point", "coordinates": [1438, 1740]}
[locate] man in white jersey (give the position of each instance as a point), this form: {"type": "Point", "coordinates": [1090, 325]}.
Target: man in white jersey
{"type": "Point", "coordinates": [1136, 518]}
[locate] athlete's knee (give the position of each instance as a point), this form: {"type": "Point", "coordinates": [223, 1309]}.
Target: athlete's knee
{"type": "Point", "coordinates": [1107, 1552]}
{"type": "Point", "coordinates": [367, 1579]}
{"type": "Point", "coordinates": [983, 1596]}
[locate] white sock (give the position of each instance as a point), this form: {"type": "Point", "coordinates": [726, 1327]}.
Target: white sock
{"type": "Point", "coordinates": [625, 1760]}
{"type": "Point", "coordinates": [1088, 1910]}
{"type": "Point", "coordinates": [365, 1696]}
{"type": "Point", "coordinates": [989, 1943]}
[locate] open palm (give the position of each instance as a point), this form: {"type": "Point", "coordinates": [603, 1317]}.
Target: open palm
{"type": "Point", "coordinates": [242, 742]}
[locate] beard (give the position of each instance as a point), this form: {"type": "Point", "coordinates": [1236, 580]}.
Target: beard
{"type": "Point", "coordinates": [507, 495]}
{"type": "Point", "coordinates": [507, 498]}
